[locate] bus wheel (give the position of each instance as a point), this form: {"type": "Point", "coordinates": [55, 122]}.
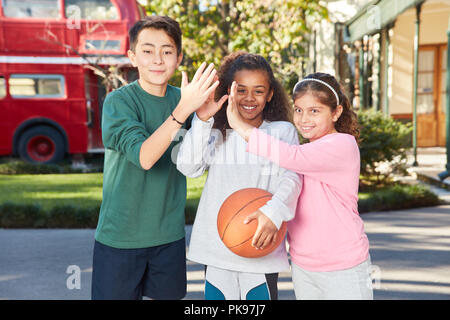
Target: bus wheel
{"type": "Point", "coordinates": [41, 144]}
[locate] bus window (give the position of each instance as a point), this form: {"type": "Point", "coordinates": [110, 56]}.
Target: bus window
{"type": "Point", "coordinates": [36, 86]}
{"type": "Point", "coordinates": [103, 45]}
{"type": "Point", "coordinates": [31, 8]}
{"type": "Point", "coordinates": [93, 9]}
{"type": "Point", "coordinates": [2, 87]}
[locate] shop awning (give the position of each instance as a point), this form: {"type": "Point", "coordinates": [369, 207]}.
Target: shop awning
{"type": "Point", "coordinates": [375, 16]}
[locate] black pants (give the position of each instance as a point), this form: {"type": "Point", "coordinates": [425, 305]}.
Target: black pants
{"type": "Point", "coordinates": [129, 274]}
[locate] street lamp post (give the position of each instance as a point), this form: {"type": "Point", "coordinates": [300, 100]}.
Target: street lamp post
{"type": "Point", "coordinates": [445, 174]}
{"type": "Point", "coordinates": [416, 67]}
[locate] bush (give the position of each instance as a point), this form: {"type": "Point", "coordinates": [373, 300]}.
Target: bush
{"type": "Point", "coordinates": [13, 166]}
{"type": "Point", "coordinates": [21, 216]}
{"type": "Point", "coordinates": [33, 216]}
{"type": "Point", "coordinates": [70, 216]}
{"type": "Point", "coordinates": [21, 167]}
{"type": "Point", "coordinates": [190, 210]}
{"type": "Point", "coordinates": [399, 197]}
{"type": "Point", "coordinates": [383, 143]}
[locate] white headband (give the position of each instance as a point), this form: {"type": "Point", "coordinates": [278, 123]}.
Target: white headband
{"type": "Point", "coordinates": [320, 81]}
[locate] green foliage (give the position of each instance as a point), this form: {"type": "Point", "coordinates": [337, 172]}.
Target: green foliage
{"type": "Point", "coordinates": [383, 144]}
{"type": "Point", "coordinates": [194, 192]}
{"type": "Point", "coordinates": [18, 167]}
{"type": "Point", "coordinates": [65, 200]}
{"type": "Point", "coordinates": [398, 197]}
{"type": "Point", "coordinates": [276, 29]}
{"type": "Point", "coordinates": [15, 215]}
{"type": "Point", "coordinates": [50, 190]}
{"type": "Point", "coordinates": [71, 216]}
{"type": "Point", "coordinates": [22, 167]}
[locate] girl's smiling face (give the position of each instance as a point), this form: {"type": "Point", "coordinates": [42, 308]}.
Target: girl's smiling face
{"type": "Point", "coordinates": [253, 92]}
{"type": "Point", "coordinates": [314, 119]}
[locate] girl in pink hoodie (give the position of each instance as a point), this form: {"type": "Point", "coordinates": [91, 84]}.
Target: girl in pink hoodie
{"type": "Point", "coordinates": [327, 243]}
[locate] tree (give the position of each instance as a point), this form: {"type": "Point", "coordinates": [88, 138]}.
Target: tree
{"type": "Point", "coordinates": [383, 145]}
{"type": "Point", "coordinates": [276, 29]}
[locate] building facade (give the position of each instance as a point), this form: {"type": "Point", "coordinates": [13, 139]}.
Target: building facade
{"type": "Point", "coordinates": [399, 53]}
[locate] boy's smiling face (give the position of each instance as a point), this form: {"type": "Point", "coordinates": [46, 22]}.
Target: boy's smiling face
{"type": "Point", "coordinates": [156, 58]}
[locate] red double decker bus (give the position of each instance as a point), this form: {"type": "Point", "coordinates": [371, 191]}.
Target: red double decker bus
{"type": "Point", "coordinates": [50, 94]}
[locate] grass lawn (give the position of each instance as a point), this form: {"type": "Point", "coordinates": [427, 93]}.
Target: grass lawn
{"type": "Point", "coordinates": [83, 190]}
{"type": "Point", "coordinates": [48, 190]}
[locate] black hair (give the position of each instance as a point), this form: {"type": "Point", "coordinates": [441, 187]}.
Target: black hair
{"type": "Point", "coordinates": [277, 109]}
{"type": "Point", "coordinates": [170, 26]}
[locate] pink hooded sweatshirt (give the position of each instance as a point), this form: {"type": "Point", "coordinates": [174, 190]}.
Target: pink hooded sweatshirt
{"type": "Point", "coordinates": [327, 233]}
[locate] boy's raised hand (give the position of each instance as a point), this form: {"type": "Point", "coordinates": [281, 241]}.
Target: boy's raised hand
{"type": "Point", "coordinates": [210, 107]}
{"type": "Point", "coordinates": [195, 93]}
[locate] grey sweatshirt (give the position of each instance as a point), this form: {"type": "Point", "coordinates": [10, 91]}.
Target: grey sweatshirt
{"type": "Point", "coordinates": [231, 168]}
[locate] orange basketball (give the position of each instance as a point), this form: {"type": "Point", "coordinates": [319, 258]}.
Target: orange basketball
{"type": "Point", "coordinates": [235, 234]}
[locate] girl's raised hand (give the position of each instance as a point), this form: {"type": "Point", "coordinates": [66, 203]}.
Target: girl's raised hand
{"type": "Point", "coordinates": [234, 118]}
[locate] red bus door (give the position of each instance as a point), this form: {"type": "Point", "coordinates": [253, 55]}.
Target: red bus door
{"type": "Point", "coordinates": [93, 112]}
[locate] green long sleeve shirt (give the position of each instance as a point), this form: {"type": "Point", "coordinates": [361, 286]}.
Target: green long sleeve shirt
{"type": "Point", "coordinates": [140, 208]}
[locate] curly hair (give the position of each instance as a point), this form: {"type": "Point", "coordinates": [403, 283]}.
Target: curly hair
{"type": "Point", "coordinates": [279, 107]}
{"type": "Point", "coordinates": [348, 121]}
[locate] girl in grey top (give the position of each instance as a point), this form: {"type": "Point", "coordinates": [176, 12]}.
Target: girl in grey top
{"type": "Point", "coordinates": [211, 146]}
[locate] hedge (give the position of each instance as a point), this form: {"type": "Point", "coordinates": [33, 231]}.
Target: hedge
{"type": "Point", "coordinates": [13, 215]}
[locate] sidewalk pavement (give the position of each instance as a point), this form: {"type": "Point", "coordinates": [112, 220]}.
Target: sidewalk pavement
{"type": "Point", "coordinates": [410, 253]}
{"type": "Point", "coordinates": [431, 162]}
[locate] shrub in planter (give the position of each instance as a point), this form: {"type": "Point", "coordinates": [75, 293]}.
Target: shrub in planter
{"type": "Point", "coordinates": [21, 167]}
{"type": "Point", "coordinates": [33, 216]}
{"type": "Point", "coordinates": [383, 144]}
{"type": "Point", "coordinates": [71, 216]}
{"type": "Point", "coordinates": [399, 197]}
{"type": "Point", "coordinates": [21, 216]}
{"type": "Point", "coordinates": [11, 166]}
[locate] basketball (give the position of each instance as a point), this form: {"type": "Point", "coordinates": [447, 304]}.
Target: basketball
{"type": "Point", "coordinates": [234, 233]}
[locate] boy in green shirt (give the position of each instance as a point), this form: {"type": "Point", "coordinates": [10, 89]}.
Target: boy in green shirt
{"type": "Point", "coordinates": [140, 247]}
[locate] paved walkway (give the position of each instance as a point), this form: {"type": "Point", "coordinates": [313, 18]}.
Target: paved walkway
{"type": "Point", "coordinates": [410, 252]}
{"type": "Point", "coordinates": [431, 162]}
